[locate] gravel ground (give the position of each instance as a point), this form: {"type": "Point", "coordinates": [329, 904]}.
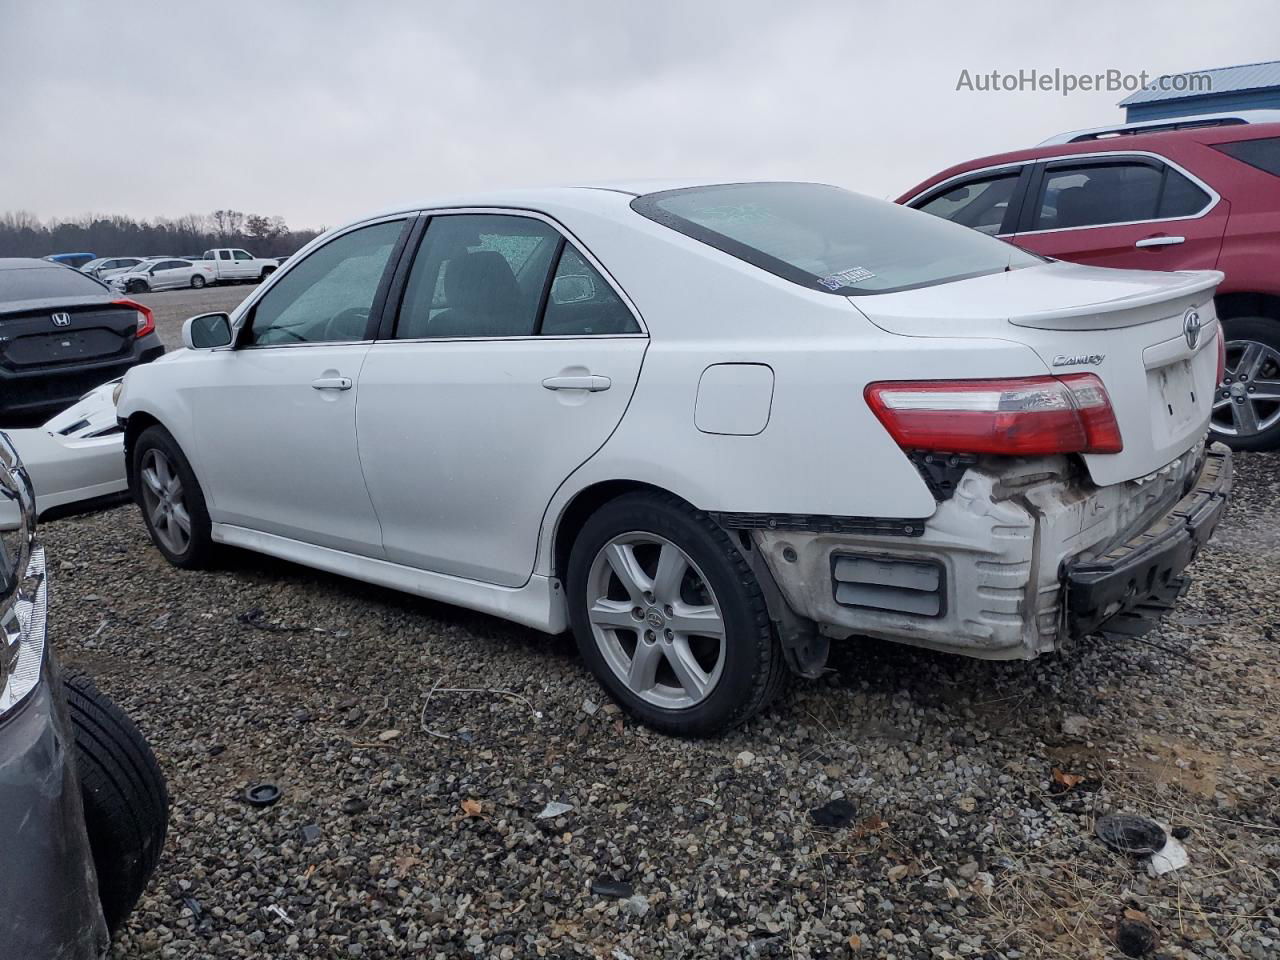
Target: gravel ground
{"type": "Point", "coordinates": [173, 307]}
{"type": "Point", "coordinates": [410, 822]}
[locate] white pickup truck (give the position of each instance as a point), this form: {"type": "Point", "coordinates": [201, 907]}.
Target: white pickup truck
{"type": "Point", "coordinates": [231, 265]}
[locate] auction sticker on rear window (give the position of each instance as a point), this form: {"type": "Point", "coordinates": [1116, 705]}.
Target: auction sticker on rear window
{"type": "Point", "coordinates": [846, 278]}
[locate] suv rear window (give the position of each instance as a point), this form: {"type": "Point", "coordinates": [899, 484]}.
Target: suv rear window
{"type": "Point", "coordinates": [36, 283]}
{"type": "Point", "coordinates": [1263, 154]}
{"type": "Point", "coordinates": [830, 239]}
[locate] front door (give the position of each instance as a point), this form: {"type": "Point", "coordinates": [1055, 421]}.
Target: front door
{"type": "Point", "coordinates": [511, 363]}
{"type": "Point", "coordinates": [276, 415]}
{"type": "Point", "coordinates": [1130, 211]}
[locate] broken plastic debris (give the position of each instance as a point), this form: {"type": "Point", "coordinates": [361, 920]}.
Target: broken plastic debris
{"type": "Point", "coordinates": [1127, 833]}
{"type": "Point", "coordinates": [1168, 858]}
{"type": "Point", "coordinates": [833, 813]}
{"type": "Point", "coordinates": [617, 889]}
{"type": "Point", "coordinates": [553, 809]}
{"type": "Point", "coordinates": [261, 794]}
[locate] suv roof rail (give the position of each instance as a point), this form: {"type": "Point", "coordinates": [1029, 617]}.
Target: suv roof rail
{"type": "Point", "coordinates": [1191, 122]}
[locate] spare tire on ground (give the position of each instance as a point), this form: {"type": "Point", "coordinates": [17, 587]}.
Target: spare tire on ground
{"type": "Point", "coordinates": [126, 804]}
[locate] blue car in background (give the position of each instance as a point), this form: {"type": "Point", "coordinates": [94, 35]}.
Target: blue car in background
{"type": "Point", "coordinates": [76, 260]}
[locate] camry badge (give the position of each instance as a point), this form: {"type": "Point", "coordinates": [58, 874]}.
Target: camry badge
{"type": "Point", "coordinates": [1191, 327]}
{"type": "Point", "coordinates": [1091, 359]}
{"type": "Point", "coordinates": [62, 319]}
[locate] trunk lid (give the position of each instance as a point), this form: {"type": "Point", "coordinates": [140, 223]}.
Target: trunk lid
{"type": "Point", "coordinates": [1129, 327]}
{"type": "Point", "coordinates": [35, 336]}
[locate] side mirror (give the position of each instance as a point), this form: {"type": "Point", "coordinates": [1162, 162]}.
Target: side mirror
{"type": "Point", "coordinates": [572, 288]}
{"type": "Point", "coordinates": [207, 331]}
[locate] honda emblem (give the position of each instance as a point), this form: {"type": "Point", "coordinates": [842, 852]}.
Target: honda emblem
{"type": "Point", "coordinates": [62, 319]}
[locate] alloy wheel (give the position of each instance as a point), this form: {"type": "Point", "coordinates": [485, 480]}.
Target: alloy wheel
{"type": "Point", "coordinates": [656, 620]}
{"type": "Point", "coordinates": [163, 502]}
{"type": "Point", "coordinates": [1247, 401]}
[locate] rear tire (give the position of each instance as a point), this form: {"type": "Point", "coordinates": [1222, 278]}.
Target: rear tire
{"type": "Point", "coordinates": [126, 805]}
{"type": "Point", "coordinates": [174, 512]}
{"type": "Point", "coordinates": [1241, 401]}
{"type": "Point", "coordinates": [197, 282]}
{"type": "Point", "coordinates": [679, 681]}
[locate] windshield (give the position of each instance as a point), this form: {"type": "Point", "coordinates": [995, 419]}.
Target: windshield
{"type": "Point", "coordinates": [830, 239]}
{"type": "Point", "coordinates": [47, 281]}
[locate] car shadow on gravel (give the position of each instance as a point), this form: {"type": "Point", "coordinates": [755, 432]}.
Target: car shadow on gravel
{"type": "Point", "coordinates": [264, 569]}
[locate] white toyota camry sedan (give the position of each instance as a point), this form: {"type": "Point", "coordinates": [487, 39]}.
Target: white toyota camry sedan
{"type": "Point", "coordinates": [709, 427]}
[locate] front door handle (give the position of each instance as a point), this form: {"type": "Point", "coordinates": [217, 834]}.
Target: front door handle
{"type": "Point", "coordinates": [1159, 241]}
{"type": "Point", "coordinates": [332, 383]}
{"type": "Point", "coordinates": [593, 383]}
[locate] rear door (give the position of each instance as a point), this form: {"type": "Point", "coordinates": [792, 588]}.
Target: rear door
{"type": "Point", "coordinates": [1132, 211]}
{"type": "Point", "coordinates": [169, 274]}
{"type": "Point", "coordinates": [511, 360]}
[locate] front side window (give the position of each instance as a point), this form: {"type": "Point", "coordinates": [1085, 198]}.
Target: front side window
{"type": "Point", "coordinates": [980, 204]}
{"type": "Point", "coordinates": [241, 255]}
{"type": "Point", "coordinates": [478, 275]}
{"type": "Point", "coordinates": [829, 239]}
{"type": "Point", "coordinates": [1100, 193]}
{"type": "Point", "coordinates": [327, 296]}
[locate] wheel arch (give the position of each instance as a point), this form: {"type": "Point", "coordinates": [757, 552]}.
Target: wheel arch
{"type": "Point", "coordinates": [133, 428]}
{"type": "Point", "coordinates": [581, 506]}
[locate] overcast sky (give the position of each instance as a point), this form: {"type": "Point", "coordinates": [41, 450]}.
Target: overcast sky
{"type": "Point", "coordinates": [321, 111]}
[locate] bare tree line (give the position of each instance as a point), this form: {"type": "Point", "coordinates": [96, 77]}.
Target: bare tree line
{"type": "Point", "coordinates": [22, 234]}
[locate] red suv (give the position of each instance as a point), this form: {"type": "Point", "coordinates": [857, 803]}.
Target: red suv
{"type": "Point", "coordinates": [1184, 199]}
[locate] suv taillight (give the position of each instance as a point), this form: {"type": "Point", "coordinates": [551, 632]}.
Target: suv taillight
{"type": "Point", "coordinates": [1025, 416]}
{"type": "Point", "coordinates": [1222, 353]}
{"type": "Point", "coordinates": [146, 320]}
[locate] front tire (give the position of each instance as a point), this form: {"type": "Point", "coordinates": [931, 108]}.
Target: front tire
{"type": "Point", "coordinates": [137, 286]}
{"type": "Point", "coordinates": [126, 805]}
{"type": "Point", "coordinates": [1246, 406]}
{"type": "Point", "coordinates": [670, 618]}
{"type": "Point", "coordinates": [172, 503]}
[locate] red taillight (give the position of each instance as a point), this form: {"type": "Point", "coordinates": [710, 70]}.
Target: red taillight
{"type": "Point", "coordinates": [1018, 417]}
{"type": "Point", "coordinates": [1222, 354]}
{"type": "Point", "coordinates": [146, 320]}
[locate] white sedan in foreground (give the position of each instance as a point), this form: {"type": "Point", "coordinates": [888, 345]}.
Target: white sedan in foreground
{"type": "Point", "coordinates": [712, 427]}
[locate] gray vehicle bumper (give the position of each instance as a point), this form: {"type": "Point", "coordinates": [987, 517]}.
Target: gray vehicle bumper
{"type": "Point", "coordinates": [48, 888]}
{"type": "Point", "coordinates": [1019, 560]}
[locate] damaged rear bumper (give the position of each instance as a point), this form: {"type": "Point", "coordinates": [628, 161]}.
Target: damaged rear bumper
{"type": "Point", "coordinates": [1022, 556]}
{"type": "Point", "coordinates": [1128, 588]}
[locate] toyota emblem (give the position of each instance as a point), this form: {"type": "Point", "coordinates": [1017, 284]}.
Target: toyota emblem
{"type": "Point", "coordinates": [1191, 327]}
{"type": "Point", "coordinates": [62, 319]}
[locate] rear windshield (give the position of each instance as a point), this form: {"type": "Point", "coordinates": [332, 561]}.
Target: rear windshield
{"type": "Point", "coordinates": [36, 283]}
{"type": "Point", "coordinates": [830, 239]}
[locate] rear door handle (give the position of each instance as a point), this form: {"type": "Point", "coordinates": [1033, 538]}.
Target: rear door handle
{"type": "Point", "coordinates": [332, 383]}
{"type": "Point", "coordinates": [593, 383]}
{"type": "Point", "coordinates": [1159, 241]}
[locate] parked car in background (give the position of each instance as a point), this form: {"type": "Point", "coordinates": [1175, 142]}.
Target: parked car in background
{"type": "Point", "coordinates": [104, 267]}
{"type": "Point", "coordinates": [711, 427]}
{"type": "Point", "coordinates": [232, 264]}
{"type": "Point", "coordinates": [62, 334]}
{"type": "Point", "coordinates": [167, 274]}
{"type": "Point", "coordinates": [83, 803]}
{"type": "Point", "coordinates": [76, 260]}
{"type": "Point", "coordinates": [1203, 196]}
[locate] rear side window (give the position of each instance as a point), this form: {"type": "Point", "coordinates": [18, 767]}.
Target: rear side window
{"type": "Point", "coordinates": [1101, 193]}
{"type": "Point", "coordinates": [35, 283]}
{"type": "Point", "coordinates": [1263, 154]}
{"type": "Point", "coordinates": [829, 239]}
{"type": "Point", "coordinates": [980, 204]}
{"type": "Point", "coordinates": [581, 302]}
